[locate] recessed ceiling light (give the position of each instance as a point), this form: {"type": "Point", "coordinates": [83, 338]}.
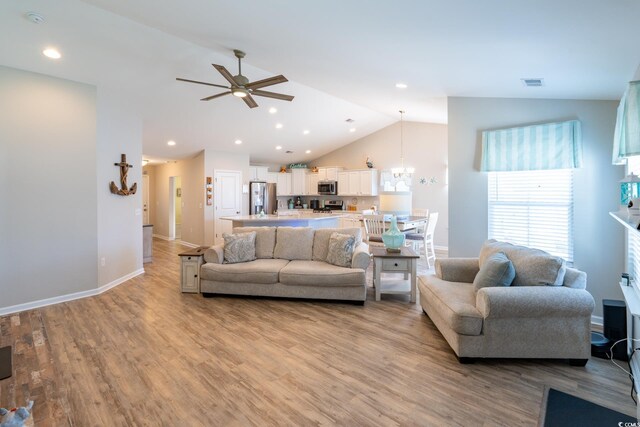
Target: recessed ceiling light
{"type": "Point", "coordinates": [305, 132]}
{"type": "Point", "coordinates": [171, 143]}
{"type": "Point", "coordinates": [51, 53]}
{"type": "Point", "coordinates": [238, 141]}
{"type": "Point", "coordinates": [273, 110]}
{"type": "Point", "coordinates": [532, 82]}
{"type": "Point", "coordinates": [278, 125]}
{"type": "Point", "coordinates": [401, 85]}
{"type": "Point", "coordinates": [278, 147]}
{"type": "Point", "coordinates": [352, 130]}
{"type": "Point", "coordinates": [308, 151]}
{"type": "Point", "coordinates": [35, 17]}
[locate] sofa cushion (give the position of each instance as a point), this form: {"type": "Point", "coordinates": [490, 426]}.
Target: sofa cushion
{"type": "Point", "coordinates": [322, 236]}
{"type": "Point", "coordinates": [294, 243]}
{"type": "Point", "coordinates": [455, 303]}
{"type": "Point", "coordinates": [533, 266]}
{"type": "Point", "coordinates": [341, 249]}
{"type": "Point", "coordinates": [320, 273]}
{"type": "Point", "coordinates": [239, 247]}
{"type": "Point", "coordinates": [497, 270]}
{"type": "Point", "coordinates": [265, 239]}
{"type": "Point", "coordinates": [263, 271]}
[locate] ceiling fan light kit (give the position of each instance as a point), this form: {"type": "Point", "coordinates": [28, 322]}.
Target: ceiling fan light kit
{"type": "Point", "coordinates": [241, 87]}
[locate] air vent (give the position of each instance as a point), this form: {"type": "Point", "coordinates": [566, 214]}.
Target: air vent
{"type": "Point", "coordinates": [349, 120]}
{"type": "Point", "coordinates": [289, 152]}
{"type": "Point", "coordinates": [533, 82]}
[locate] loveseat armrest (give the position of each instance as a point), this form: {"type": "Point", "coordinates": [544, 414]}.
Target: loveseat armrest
{"type": "Point", "coordinates": [534, 302]}
{"type": "Point", "coordinates": [361, 257]}
{"type": "Point", "coordinates": [457, 269]}
{"type": "Point", "coordinates": [214, 254]}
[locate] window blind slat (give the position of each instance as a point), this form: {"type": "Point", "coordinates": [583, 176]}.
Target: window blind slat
{"type": "Point", "coordinates": [533, 208]}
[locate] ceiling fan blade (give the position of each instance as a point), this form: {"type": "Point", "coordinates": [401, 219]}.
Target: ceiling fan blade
{"type": "Point", "coordinates": [272, 95]}
{"type": "Point", "coordinates": [266, 82]}
{"type": "Point", "coordinates": [201, 83]}
{"type": "Point", "coordinates": [251, 103]}
{"type": "Point", "coordinates": [209, 98]}
{"type": "Point", "coordinates": [226, 74]}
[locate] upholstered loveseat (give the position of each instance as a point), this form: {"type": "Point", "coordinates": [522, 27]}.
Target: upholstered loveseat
{"type": "Point", "coordinates": [290, 262]}
{"type": "Point", "coordinates": [544, 313]}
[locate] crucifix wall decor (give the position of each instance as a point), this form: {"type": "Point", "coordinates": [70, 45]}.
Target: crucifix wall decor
{"type": "Point", "coordinates": [124, 170]}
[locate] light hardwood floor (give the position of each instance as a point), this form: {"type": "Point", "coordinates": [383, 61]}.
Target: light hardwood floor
{"type": "Point", "coordinates": [145, 354]}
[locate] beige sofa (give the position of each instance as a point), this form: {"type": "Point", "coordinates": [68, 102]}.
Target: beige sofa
{"type": "Point", "coordinates": [290, 263]}
{"type": "Point", "coordinates": [517, 321]}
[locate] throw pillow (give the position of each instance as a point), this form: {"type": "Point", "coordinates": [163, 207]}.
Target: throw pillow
{"type": "Point", "coordinates": [497, 270]}
{"type": "Point", "coordinates": [322, 236]}
{"type": "Point", "coordinates": [533, 266]}
{"type": "Point", "coordinates": [265, 239]}
{"type": "Point", "coordinates": [341, 249]}
{"type": "Point", "coordinates": [239, 247]}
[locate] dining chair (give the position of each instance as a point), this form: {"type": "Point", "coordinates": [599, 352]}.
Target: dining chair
{"type": "Point", "coordinates": [423, 213]}
{"type": "Point", "coordinates": [374, 226]}
{"type": "Point", "coordinates": [425, 239]}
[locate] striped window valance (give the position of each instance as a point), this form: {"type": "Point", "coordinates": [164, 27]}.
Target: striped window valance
{"type": "Point", "coordinates": [626, 140]}
{"type": "Point", "coordinates": [536, 147]}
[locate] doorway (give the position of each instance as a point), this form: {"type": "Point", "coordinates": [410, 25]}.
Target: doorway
{"type": "Point", "coordinates": [145, 199]}
{"type": "Point", "coordinates": [175, 207]}
{"type": "Point", "coordinates": [227, 200]}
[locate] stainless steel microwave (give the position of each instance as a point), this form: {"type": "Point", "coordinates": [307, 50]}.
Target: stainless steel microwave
{"type": "Point", "coordinates": [328, 187]}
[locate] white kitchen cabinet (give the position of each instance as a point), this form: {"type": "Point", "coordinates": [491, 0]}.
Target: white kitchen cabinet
{"type": "Point", "coordinates": [258, 173]}
{"type": "Point", "coordinates": [299, 182]}
{"type": "Point", "coordinates": [283, 184]}
{"type": "Point", "coordinates": [312, 184]}
{"type": "Point", "coordinates": [354, 183]}
{"type": "Point", "coordinates": [331, 174]}
{"type": "Point", "coordinates": [368, 182]}
{"type": "Point", "coordinates": [343, 184]}
{"type": "Point", "coordinates": [322, 174]}
{"type": "Point", "coordinates": [272, 177]}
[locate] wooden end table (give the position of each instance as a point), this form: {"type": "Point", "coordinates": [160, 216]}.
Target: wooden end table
{"type": "Point", "coordinates": [405, 262]}
{"type": "Point", "coordinates": [191, 261]}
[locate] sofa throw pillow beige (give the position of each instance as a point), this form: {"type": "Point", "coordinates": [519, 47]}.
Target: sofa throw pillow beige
{"type": "Point", "coordinates": [322, 236]}
{"type": "Point", "coordinates": [239, 247]}
{"type": "Point", "coordinates": [497, 270]}
{"type": "Point", "coordinates": [265, 240]}
{"type": "Point", "coordinates": [533, 266]}
{"type": "Point", "coordinates": [294, 243]}
{"type": "Point", "coordinates": [341, 249]}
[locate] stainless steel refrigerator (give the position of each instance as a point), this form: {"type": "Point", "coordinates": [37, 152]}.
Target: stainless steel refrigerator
{"type": "Point", "coordinates": [262, 195]}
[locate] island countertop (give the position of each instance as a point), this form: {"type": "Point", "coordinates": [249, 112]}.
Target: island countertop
{"type": "Point", "coordinates": [303, 220]}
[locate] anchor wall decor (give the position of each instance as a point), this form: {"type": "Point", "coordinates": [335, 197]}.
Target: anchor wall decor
{"type": "Point", "coordinates": [124, 170]}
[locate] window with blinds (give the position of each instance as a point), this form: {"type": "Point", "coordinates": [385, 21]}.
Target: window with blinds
{"type": "Point", "coordinates": [633, 239]}
{"type": "Point", "coordinates": [533, 208]}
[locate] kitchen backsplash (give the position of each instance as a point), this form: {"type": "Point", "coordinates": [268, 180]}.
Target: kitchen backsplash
{"type": "Point", "coordinates": [361, 203]}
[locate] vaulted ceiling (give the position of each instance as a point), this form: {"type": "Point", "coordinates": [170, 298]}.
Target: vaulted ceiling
{"type": "Point", "coordinates": [343, 59]}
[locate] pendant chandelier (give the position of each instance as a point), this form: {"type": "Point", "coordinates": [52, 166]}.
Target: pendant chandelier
{"type": "Point", "coordinates": [402, 172]}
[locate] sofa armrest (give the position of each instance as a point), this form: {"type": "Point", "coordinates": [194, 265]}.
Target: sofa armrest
{"type": "Point", "coordinates": [457, 269]}
{"type": "Point", "coordinates": [214, 254]}
{"type": "Point", "coordinates": [534, 302]}
{"type": "Point", "coordinates": [361, 257]}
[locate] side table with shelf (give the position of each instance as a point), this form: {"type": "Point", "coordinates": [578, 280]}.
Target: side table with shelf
{"type": "Point", "coordinates": [404, 262]}
{"type": "Point", "coordinates": [190, 262]}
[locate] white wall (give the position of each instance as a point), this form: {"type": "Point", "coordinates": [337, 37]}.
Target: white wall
{"type": "Point", "coordinates": [598, 239]}
{"type": "Point", "coordinates": [119, 217]}
{"type": "Point", "coordinates": [48, 218]}
{"type": "Point", "coordinates": [425, 149]}
{"type": "Point", "coordinates": [219, 160]}
{"type": "Point", "coordinates": [191, 173]}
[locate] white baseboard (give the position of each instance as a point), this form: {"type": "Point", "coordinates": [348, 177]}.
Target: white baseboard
{"type": "Point", "coordinates": [160, 236]}
{"type": "Point", "coordinates": [189, 245]}
{"type": "Point", "coordinates": [441, 248]}
{"type": "Point", "coordinates": [68, 297]}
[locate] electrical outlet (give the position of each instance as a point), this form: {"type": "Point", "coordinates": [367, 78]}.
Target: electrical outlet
{"type": "Point", "coordinates": [200, 205]}
{"type": "Point", "coordinates": [103, 261]}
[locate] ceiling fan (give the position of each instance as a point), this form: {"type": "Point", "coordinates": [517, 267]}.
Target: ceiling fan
{"type": "Point", "coordinates": [240, 85]}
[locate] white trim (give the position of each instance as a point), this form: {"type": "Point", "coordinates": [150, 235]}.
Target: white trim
{"type": "Point", "coordinates": [189, 245]}
{"type": "Point", "coordinates": [442, 248]}
{"type": "Point", "coordinates": [69, 297]}
{"type": "Point", "coordinates": [596, 320]}
{"type": "Point", "coordinates": [160, 236]}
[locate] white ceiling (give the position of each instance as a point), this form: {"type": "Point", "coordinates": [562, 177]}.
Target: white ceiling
{"type": "Point", "coordinates": [342, 57]}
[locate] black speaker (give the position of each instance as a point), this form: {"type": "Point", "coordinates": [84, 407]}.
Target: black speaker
{"type": "Point", "coordinates": [614, 315]}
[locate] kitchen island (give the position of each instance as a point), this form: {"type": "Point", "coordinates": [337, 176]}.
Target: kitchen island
{"type": "Point", "coordinates": [313, 220]}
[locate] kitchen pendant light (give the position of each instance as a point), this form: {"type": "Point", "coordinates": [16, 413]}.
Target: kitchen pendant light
{"type": "Point", "coordinates": [402, 172]}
